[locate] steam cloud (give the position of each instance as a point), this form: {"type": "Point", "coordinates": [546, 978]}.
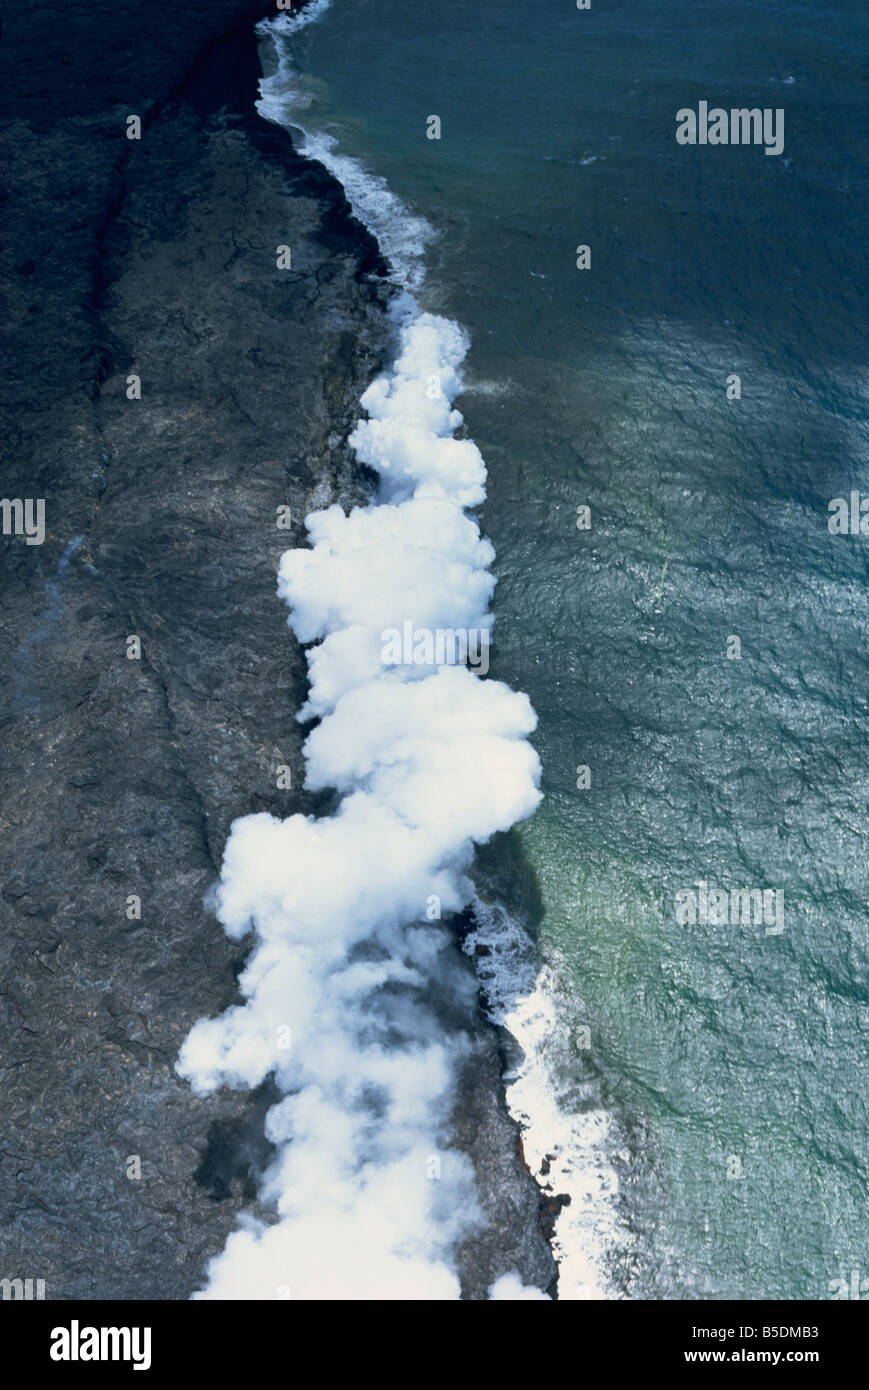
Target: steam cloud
{"type": "Point", "coordinates": [339, 991]}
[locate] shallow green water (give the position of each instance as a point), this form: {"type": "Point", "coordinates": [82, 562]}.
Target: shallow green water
{"type": "Point", "coordinates": [721, 1049]}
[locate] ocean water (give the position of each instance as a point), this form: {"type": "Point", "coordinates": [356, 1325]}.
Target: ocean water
{"type": "Point", "coordinates": [699, 1088]}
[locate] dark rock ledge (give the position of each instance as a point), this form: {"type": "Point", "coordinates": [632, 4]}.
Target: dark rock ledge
{"type": "Point", "coordinates": [121, 777]}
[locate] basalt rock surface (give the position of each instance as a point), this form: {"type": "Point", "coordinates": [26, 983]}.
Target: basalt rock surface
{"type": "Point", "coordinates": [156, 259]}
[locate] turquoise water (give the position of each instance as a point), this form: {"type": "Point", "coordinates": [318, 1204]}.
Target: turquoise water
{"type": "Point", "coordinates": [719, 1049]}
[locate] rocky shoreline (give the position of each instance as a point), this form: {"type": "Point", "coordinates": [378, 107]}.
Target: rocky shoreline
{"type": "Point", "coordinates": [156, 259]}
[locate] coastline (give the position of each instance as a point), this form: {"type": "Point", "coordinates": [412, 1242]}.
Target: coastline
{"type": "Point", "coordinates": [137, 772]}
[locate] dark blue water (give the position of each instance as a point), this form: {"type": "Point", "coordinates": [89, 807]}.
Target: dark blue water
{"type": "Point", "coordinates": [733, 1058]}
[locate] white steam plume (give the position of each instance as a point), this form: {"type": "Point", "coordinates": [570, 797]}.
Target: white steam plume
{"type": "Point", "coordinates": [340, 988]}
